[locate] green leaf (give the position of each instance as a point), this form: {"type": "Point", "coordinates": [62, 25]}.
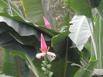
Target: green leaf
{"type": "Point", "coordinates": [86, 70]}
{"type": "Point", "coordinates": [31, 66]}
{"type": "Point", "coordinates": [58, 42]}
{"type": "Point", "coordinates": [22, 36]}
{"type": "Point", "coordinates": [3, 7]}
{"type": "Point", "coordinates": [20, 31]}
{"type": "Point", "coordinates": [6, 8]}
{"type": "Point", "coordinates": [9, 64]}
{"type": "Point", "coordinates": [33, 10]}
{"type": "Point", "coordinates": [98, 30]}
{"type": "Point", "coordinates": [80, 7]}
{"type": "Point", "coordinates": [100, 8]}
{"type": "Point", "coordinates": [23, 32]}
{"type": "Point", "coordinates": [20, 54]}
{"type": "Point", "coordinates": [58, 72]}
{"type": "Point", "coordinates": [50, 32]}
{"type": "Point", "coordinates": [35, 66]}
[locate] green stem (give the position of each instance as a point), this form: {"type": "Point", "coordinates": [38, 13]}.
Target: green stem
{"type": "Point", "coordinates": [99, 49]}
{"type": "Point", "coordinates": [66, 59]}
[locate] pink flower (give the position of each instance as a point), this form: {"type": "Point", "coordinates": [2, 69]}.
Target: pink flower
{"type": "Point", "coordinates": [47, 24]}
{"type": "Point", "coordinates": [44, 50]}
{"type": "Point", "coordinates": [44, 47]}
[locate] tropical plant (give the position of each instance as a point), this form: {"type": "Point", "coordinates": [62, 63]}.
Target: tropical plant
{"type": "Point", "coordinates": [77, 44]}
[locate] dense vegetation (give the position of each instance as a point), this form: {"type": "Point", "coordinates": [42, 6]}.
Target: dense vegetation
{"type": "Point", "coordinates": [66, 34]}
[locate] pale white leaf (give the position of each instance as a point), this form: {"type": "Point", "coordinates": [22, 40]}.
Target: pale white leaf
{"type": "Point", "coordinates": [81, 29]}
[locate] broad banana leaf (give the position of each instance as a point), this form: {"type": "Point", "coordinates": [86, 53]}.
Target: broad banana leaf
{"type": "Point", "coordinates": [33, 10]}
{"type": "Point", "coordinates": [80, 7]}
{"type": "Point", "coordinates": [21, 35]}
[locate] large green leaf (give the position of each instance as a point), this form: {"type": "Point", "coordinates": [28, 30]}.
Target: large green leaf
{"type": "Point", "coordinates": [23, 32]}
{"type": "Point", "coordinates": [80, 7]}
{"type": "Point", "coordinates": [33, 10]}
{"type": "Point", "coordinates": [63, 47]}
{"type": "Point", "coordinates": [58, 42]}
{"type": "Point", "coordinates": [22, 36]}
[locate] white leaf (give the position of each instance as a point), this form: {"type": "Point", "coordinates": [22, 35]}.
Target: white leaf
{"type": "Point", "coordinates": [80, 28]}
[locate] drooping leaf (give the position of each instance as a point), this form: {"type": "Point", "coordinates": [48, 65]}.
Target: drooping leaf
{"type": "Point", "coordinates": [16, 26]}
{"type": "Point", "coordinates": [81, 30]}
{"type": "Point", "coordinates": [23, 31]}
{"type": "Point", "coordinates": [17, 35]}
